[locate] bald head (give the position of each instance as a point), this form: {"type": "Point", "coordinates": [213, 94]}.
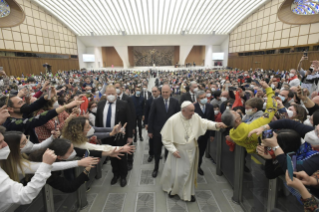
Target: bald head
{"type": "Point", "coordinates": [224, 94]}
{"type": "Point", "coordinates": [110, 90]}
{"type": "Point", "coordinates": [166, 91]}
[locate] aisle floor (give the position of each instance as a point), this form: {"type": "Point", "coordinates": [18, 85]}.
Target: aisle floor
{"type": "Point", "coordinates": [143, 193]}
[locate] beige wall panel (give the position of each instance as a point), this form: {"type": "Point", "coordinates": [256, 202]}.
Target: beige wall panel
{"type": "Point", "coordinates": [260, 23]}
{"type": "Point", "coordinates": [273, 9]}
{"type": "Point", "coordinates": [259, 31]}
{"type": "Point", "coordinates": [47, 49]}
{"type": "Point", "coordinates": [51, 34]}
{"type": "Point", "coordinates": [45, 33]}
{"type": "Point", "coordinates": [270, 36]}
{"type": "Point", "coordinates": [36, 14]}
{"type": "Point", "coordinates": [268, 5]}
{"type": "Point", "coordinates": [38, 31]}
{"type": "Point", "coordinates": [267, 12]}
{"type": "Point", "coordinates": [41, 48]}
{"type": "Point", "coordinates": [37, 23]}
{"type": "Point", "coordinates": [31, 30]}
{"type": "Point", "coordinates": [314, 28]}
{"type": "Point", "coordinates": [9, 44]}
{"type": "Point", "coordinates": [247, 40]}
{"type": "Point", "coordinates": [16, 36]}
{"type": "Point", "coordinates": [271, 27]}
{"type": "Point", "coordinates": [255, 17]}
{"type": "Point", "coordinates": [58, 50]}
{"type": "Point", "coordinates": [294, 32]}
{"type": "Point", "coordinates": [243, 34]}
{"type": "Point", "coordinates": [34, 47]}
{"type": "Point", "coordinates": [46, 41]}
{"type": "Point", "coordinates": [248, 33]}
{"type": "Point", "coordinates": [277, 35]}
{"type": "Point", "coordinates": [313, 38]}
{"type": "Point", "coordinates": [284, 42]}
{"type": "Point", "coordinates": [263, 45]}
{"type": "Point", "coordinates": [18, 46]}
{"type": "Point", "coordinates": [30, 21]}
{"type": "Point", "coordinates": [33, 39]}
{"type": "Point", "coordinates": [273, 18]}
{"type": "Point", "coordinates": [42, 17]}
{"type": "Point", "coordinates": [62, 43]}
{"type": "Point", "coordinates": [258, 38]}
{"type": "Point", "coordinates": [25, 38]}
{"type": "Point", "coordinates": [266, 20]}
{"type": "Point", "coordinates": [260, 14]}
{"type": "Point", "coordinates": [276, 44]}
{"type": "Point", "coordinates": [252, 39]}
{"type": "Point", "coordinates": [251, 47]}
{"type": "Point", "coordinates": [239, 29]}
{"type": "Point", "coordinates": [2, 44]}
{"type": "Point", "coordinates": [263, 37]}
{"type": "Point", "coordinates": [246, 47]}
{"type": "Point", "coordinates": [293, 41]}
{"type": "Point", "coordinates": [253, 24]}
{"type": "Point", "coordinates": [304, 29]}
{"type": "Point", "coordinates": [269, 44]}
{"type": "Point", "coordinates": [303, 40]}
{"type": "Point", "coordinates": [243, 28]}
{"type": "Point", "coordinates": [265, 29]}
{"type": "Point", "coordinates": [1, 37]}
{"type": "Point", "coordinates": [286, 26]}
{"type": "Point", "coordinates": [286, 33]}
{"type": "Point", "coordinates": [49, 18]}
{"type": "Point", "coordinates": [53, 50]}
{"type": "Point", "coordinates": [24, 28]}
{"type": "Point", "coordinates": [26, 46]}
{"type": "Point", "coordinates": [14, 29]}
{"type": "Point", "coordinates": [28, 11]}
{"type": "Point", "coordinates": [50, 26]}
{"type": "Point", "coordinates": [253, 32]}
{"type": "Point", "coordinates": [242, 42]}
{"type": "Point", "coordinates": [44, 25]}
{"type": "Point", "coordinates": [52, 43]}
{"type": "Point", "coordinates": [40, 40]}
{"type": "Point", "coordinates": [278, 26]}
{"type": "Point", "coordinates": [7, 34]}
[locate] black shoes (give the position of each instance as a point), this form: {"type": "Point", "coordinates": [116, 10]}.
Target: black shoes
{"type": "Point", "coordinates": [114, 179]}
{"type": "Point", "coordinates": [200, 171]}
{"type": "Point", "coordinates": [154, 174]}
{"type": "Point", "coordinates": [141, 139]}
{"type": "Point", "coordinates": [150, 158]}
{"type": "Point", "coordinates": [123, 181]}
{"type": "Point", "coordinates": [129, 166]}
{"type": "Point", "coordinates": [193, 199]}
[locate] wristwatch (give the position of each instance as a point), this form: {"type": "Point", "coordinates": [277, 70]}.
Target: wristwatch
{"type": "Point", "coordinates": [274, 148]}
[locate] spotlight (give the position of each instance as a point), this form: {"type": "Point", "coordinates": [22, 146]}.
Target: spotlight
{"type": "Point", "coordinates": [92, 33]}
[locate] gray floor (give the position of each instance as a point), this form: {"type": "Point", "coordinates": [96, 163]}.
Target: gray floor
{"type": "Point", "coordinates": [143, 193]}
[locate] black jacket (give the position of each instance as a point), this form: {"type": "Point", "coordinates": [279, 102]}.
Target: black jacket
{"type": "Point", "coordinates": [147, 109]}
{"type": "Point", "coordinates": [128, 99]}
{"type": "Point", "coordinates": [158, 115]}
{"type": "Point", "coordinates": [209, 115]}
{"type": "Point", "coordinates": [186, 97]}
{"type": "Point", "coordinates": [122, 114]}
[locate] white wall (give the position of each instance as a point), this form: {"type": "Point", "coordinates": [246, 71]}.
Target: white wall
{"type": "Point", "coordinates": [81, 51]}
{"type": "Point", "coordinates": [224, 48]}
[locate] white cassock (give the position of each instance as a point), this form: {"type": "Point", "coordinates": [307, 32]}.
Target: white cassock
{"type": "Point", "coordinates": [178, 134]}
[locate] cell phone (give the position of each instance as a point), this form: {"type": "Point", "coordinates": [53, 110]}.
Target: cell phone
{"type": "Point", "coordinates": [7, 100]}
{"type": "Point", "coordinates": [87, 153]}
{"type": "Point", "coordinates": [267, 134]}
{"type": "Point", "coordinates": [232, 88]}
{"type": "Point", "coordinates": [291, 164]}
{"type": "Point", "coordinates": [55, 124]}
{"type": "Point", "coordinates": [302, 93]}
{"type": "Point", "coordinates": [1, 68]}
{"type": "Point", "coordinates": [259, 140]}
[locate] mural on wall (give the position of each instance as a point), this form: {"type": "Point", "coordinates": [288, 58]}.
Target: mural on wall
{"type": "Point", "coordinates": [149, 55]}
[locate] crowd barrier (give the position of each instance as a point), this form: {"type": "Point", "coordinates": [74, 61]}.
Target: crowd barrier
{"type": "Point", "coordinates": [251, 189]}
{"type": "Point", "coordinates": [51, 200]}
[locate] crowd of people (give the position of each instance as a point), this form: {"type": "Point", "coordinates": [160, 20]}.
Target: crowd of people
{"type": "Point", "coordinates": [49, 122]}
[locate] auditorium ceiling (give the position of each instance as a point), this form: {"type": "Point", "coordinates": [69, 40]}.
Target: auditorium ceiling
{"type": "Point", "coordinates": [150, 17]}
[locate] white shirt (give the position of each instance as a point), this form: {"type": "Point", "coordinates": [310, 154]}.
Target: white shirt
{"type": "Point", "coordinates": [106, 108]}
{"type": "Point", "coordinates": [14, 192]}
{"type": "Point", "coordinates": [146, 95]}
{"type": "Point", "coordinates": [193, 96]}
{"type": "Point", "coordinates": [31, 147]}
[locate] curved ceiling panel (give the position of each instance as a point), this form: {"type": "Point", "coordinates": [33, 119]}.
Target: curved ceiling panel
{"type": "Point", "coordinates": [150, 17]}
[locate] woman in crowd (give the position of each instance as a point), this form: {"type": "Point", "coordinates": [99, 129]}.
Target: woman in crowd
{"type": "Point", "coordinates": [43, 132]}
{"type": "Point", "coordinates": [77, 129]}
{"type": "Point", "coordinates": [92, 112]}
{"type": "Point", "coordinates": [17, 164]}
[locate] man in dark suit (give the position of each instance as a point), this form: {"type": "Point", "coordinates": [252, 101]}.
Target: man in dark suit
{"type": "Point", "coordinates": [145, 93]}
{"type": "Point", "coordinates": [122, 96]}
{"type": "Point", "coordinates": [156, 94]}
{"type": "Point", "coordinates": [190, 96]}
{"type": "Point", "coordinates": [138, 102]}
{"type": "Point", "coordinates": [206, 111]}
{"type": "Point", "coordinates": [109, 113]}
{"type": "Point", "coordinates": [161, 110]}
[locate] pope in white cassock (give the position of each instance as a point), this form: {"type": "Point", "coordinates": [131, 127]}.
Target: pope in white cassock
{"type": "Point", "coordinates": [179, 136]}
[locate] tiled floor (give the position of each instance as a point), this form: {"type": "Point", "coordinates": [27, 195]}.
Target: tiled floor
{"type": "Point", "coordinates": [144, 194]}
